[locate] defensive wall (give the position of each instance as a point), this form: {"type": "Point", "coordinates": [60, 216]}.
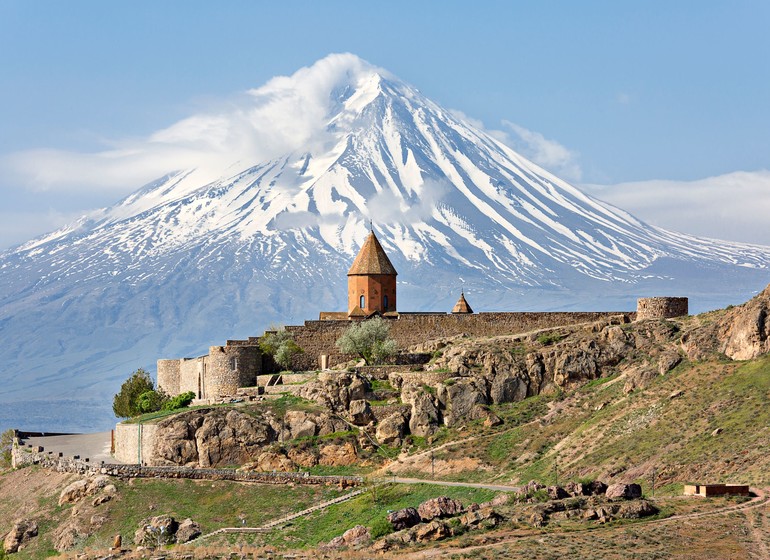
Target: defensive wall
{"type": "Point", "coordinates": [218, 374]}
{"type": "Point", "coordinates": [22, 456]}
{"type": "Point", "coordinates": [318, 338]}
{"type": "Point", "coordinates": [661, 307]}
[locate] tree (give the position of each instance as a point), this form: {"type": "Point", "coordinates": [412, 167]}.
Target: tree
{"type": "Point", "coordinates": [280, 346]}
{"type": "Point", "coordinates": [125, 403]}
{"type": "Point", "coordinates": [368, 340]}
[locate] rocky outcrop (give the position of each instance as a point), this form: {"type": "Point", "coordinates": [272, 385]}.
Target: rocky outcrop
{"type": "Point", "coordinates": [392, 429]}
{"type": "Point", "coordinates": [156, 531]}
{"type": "Point", "coordinates": [21, 532]}
{"type": "Point", "coordinates": [360, 412]}
{"type": "Point", "coordinates": [335, 390]}
{"type": "Point", "coordinates": [623, 491]}
{"type": "Point", "coordinates": [433, 531]}
{"type": "Point", "coordinates": [188, 530]}
{"type": "Point", "coordinates": [404, 518]}
{"type": "Point", "coordinates": [212, 437]}
{"type": "Point", "coordinates": [357, 536]}
{"type": "Point", "coordinates": [80, 489]}
{"type": "Point", "coordinates": [424, 414]}
{"type": "Point", "coordinates": [745, 332]}
{"type": "Point", "coordinates": [442, 506]}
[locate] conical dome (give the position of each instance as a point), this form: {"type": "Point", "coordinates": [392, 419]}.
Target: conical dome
{"type": "Point", "coordinates": [462, 305]}
{"type": "Point", "coordinates": [372, 259]}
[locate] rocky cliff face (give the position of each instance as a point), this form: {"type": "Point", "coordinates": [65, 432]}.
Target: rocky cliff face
{"type": "Point", "coordinates": [461, 382]}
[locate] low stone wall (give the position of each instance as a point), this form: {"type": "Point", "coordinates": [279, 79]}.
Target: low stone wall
{"type": "Point", "coordinates": [661, 307]}
{"type": "Point", "coordinates": [22, 457]}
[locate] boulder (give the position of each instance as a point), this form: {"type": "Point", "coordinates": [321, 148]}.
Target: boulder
{"type": "Point", "coordinates": [187, 531]}
{"type": "Point", "coordinates": [304, 457]}
{"type": "Point", "coordinates": [596, 488]}
{"type": "Point", "coordinates": [299, 424]}
{"type": "Point", "coordinates": [156, 530]}
{"type": "Point", "coordinates": [424, 417]}
{"type": "Point", "coordinates": [668, 361]}
{"type": "Point", "coordinates": [404, 518]}
{"type": "Point", "coordinates": [354, 537]}
{"type": "Point", "coordinates": [360, 412]}
{"type": "Point", "coordinates": [509, 386]}
{"type": "Point", "coordinates": [21, 532]}
{"type": "Point", "coordinates": [270, 461]}
{"type": "Point", "coordinates": [623, 491]}
{"type": "Point", "coordinates": [66, 536]}
{"type": "Point", "coordinates": [391, 430]}
{"type": "Point", "coordinates": [433, 531]}
{"type": "Point", "coordinates": [83, 488]}
{"type": "Point", "coordinates": [443, 506]}
{"type": "Point", "coordinates": [636, 509]}
{"type": "Point", "coordinates": [463, 399]}
{"type": "Point", "coordinates": [556, 493]}
{"type": "Point", "coordinates": [576, 489]}
{"type": "Point", "coordinates": [485, 515]}
{"type": "Point", "coordinates": [337, 454]}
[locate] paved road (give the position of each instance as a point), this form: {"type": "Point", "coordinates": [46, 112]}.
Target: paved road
{"type": "Point", "coordinates": [94, 446]}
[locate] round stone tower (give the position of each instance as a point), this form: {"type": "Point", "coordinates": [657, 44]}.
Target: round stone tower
{"type": "Point", "coordinates": [371, 281]}
{"type": "Point", "coordinates": [661, 307]}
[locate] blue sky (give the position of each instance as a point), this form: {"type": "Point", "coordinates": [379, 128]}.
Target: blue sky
{"type": "Point", "coordinates": [649, 105]}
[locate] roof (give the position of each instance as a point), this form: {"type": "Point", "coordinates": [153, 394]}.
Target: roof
{"type": "Point", "coordinates": [462, 305]}
{"type": "Point", "coordinates": [372, 259]}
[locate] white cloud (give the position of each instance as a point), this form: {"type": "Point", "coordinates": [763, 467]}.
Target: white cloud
{"type": "Point", "coordinates": [549, 154]}
{"type": "Point", "coordinates": [734, 206]}
{"type": "Point", "coordinates": [546, 153]}
{"type": "Point", "coordinates": [275, 119]}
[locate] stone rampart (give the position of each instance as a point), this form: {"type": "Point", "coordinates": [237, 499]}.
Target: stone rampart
{"type": "Point", "coordinates": [22, 456]}
{"type": "Point", "coordinates": [317, 338]}
{"type": "Point", "coordinates": [134, 443]}
{"type": "Point", "coordinates": [661, 307]}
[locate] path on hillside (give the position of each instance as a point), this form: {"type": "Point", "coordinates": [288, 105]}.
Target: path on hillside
{"type": "Point", "coordinates": [483, 485]}
{"type": "Point", "coordinates": [286, 518]}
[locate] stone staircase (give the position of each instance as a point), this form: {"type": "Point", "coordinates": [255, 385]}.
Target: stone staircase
{"type": "Point", "coordinates": [285, 519]}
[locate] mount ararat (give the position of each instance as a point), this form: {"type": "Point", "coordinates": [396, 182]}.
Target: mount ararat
{"type": "Point", "coordinates": [225, 249]}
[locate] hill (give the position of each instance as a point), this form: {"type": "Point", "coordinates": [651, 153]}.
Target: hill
{"type": "Point", "coordinates": [660, 402]}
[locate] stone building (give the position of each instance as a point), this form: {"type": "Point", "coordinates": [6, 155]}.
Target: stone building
{"type": "Point", "coordinates": [371, 281]}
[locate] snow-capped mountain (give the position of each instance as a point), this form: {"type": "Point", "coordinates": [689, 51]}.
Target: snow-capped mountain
{"type": "Point", "coordinates": [223, 250]}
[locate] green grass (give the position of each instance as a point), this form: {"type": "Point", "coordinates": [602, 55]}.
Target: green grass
{"type": "Point", "coordinates": [213, 504]}
{"type": "Point", "coordinates": [369, 509]}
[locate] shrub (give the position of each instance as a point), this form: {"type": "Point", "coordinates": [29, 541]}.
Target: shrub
{"type": "Point", "coordinates": [380, 528]}
{"type": "Point", "coordinates": [368, 340]}
{"type": "Point", "coordinates": [180, 401]}
{"type": "Point", "coordinates": [125, 404]}
{"type": "Point", "coordinates": [151, 401]}
{"type": "Point", "coordinates": [280, 346]}
{"type": "Point", "coordinates": [547, 339]}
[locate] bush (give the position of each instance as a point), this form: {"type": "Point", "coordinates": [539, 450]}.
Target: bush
{"type": "Point", "coordinates": [125, 403]}
{"type": "Point", "coordinates": [151, 401]}
{"type": "Point", "coordinates": [380, 528]}
{"type": "Point", "coordinates": [180, 401]}
{"type": "Point", "coordinates": [547, 339]}
{"type": "Point", "coordinates": [280, 346]}
{"type": "Point", "coordinates": [368, 340]}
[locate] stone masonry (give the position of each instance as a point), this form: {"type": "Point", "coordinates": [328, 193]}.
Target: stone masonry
{"type": "Point", "coordinates": [661, 307]}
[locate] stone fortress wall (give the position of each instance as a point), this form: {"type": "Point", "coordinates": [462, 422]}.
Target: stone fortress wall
{"type": "Point", "coordinates": [220, 373]}
{"type": "Point", "coordinates": [661, 307]}
{"type": "Point", "coordinates": [239, 362]}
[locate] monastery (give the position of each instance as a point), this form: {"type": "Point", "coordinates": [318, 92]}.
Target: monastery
{"type": "Point", "coordinates": [372, 292]}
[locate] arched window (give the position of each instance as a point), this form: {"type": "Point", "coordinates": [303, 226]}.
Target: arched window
{"type": "Point", "coordinates": [361, 302]}
{"type": "Point", "coordinates": [385, 303]}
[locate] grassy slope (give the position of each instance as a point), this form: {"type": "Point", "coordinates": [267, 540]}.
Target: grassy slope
{"type": "Point", "coordinates": [599, 432]}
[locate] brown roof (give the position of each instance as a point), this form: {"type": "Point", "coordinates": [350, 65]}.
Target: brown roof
{"type": "Point", "coordinates": [462, 305]}
{"type": "Point", "coordinates": [372, 259]}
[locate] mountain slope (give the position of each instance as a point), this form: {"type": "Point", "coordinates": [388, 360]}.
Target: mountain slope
{"type": "Point", "coordinates": [223, 250]}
